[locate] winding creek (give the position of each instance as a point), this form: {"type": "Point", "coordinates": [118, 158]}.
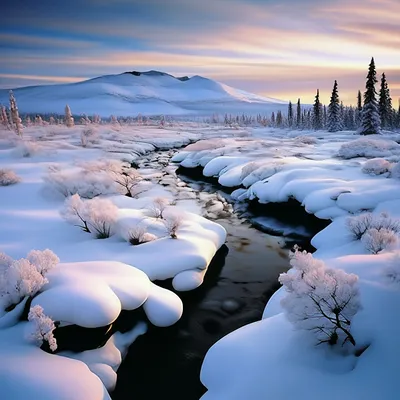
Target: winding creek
{"type": "Point", "coordinates": [165, 363]}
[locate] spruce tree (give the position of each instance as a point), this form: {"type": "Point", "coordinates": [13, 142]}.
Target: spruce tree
{"type": "Point", "coordinates": [290, 115]}
{"type": "Point", "coordinates": [298, 115]}
{"type": "Point", "coordinates": [325, 119]}
{"type": "Point", "coordinates": [317, 114]}
{"type": "Point", "coordinates": [371, 122]}
{"type": "Point", "coordinates": [359, 109]}
{"type": "Point", "coordinates": [273, 119]}
{"type": "Point", "coordinates": [334, 120]}
{"type": "Point", "coordinates": [385, 104]}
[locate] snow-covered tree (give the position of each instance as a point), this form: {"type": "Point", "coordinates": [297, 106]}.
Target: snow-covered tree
{"type": "Point", "coordinates": [44, 261]}
{"type": "Point", "coordinates": [334, 122]}
{"type": "Point", "coordinates": [317, 114]}
{"type": "Point", "coordinates": [43, 327]}
{"type": "Point", "coordinates": [69, 119]}
{"type": "Point", "coordinates": [273, 121]}
{"type": "Point", "coordinates": [371, 122]}
{"type": "Point", "coordinates": [4, 117]}
{"type": "Point", "coordinates": [385, 104]}
{"type": "Point", "coordinates": [16, 120]}
{"type": "Point", "coordinates": [320, 299]}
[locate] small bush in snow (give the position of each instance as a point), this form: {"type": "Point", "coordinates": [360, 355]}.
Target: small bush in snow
{"type": "Point", "coordinates": [138, 235]}
{"type": "Point", "coordinates": [359, 224]}
{"type": "Point", "coordinates": [367, 147]}
{"type": "Point", "coordinates": [392, 271]}
{"type": "Point", "coordinates": [306, 139]}
{"type": "Point", "coordinates": [376, 166]}
{"type": "Point", "coordinates": [8, 177]}
{"type": "Point", "coordinates": [320, 299]}
{"type": "Point", "coordinates": [43, 327]}
{"type": "Point", "coordinates": [88, 136]}
{"type": "Point", "coordinates": [97, 216]}
{"type": "Point", "coordinates": [395, 171]}
{"type": "Point", "coordinates": [127, 179]}
{"type": "Point", "coordinates": [44, 261]}
{"type": "Point", "coordinates": [377, 240]}
{"type": "Point", "coordinates": [27, 149]}
{"type": "Point", "coordinates": [172, 223]}
{"type": "Point", "coordinates": [157, 207]}
{"type": "Point", "coordinates": [18, 280]}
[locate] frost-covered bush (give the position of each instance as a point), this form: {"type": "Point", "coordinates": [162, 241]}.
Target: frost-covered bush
{"type": "Point", "coordinates": [43, 327]}
{"type": "Point", "coordinates": [24, 277]}
{"type": "Point", "coordinates": [395, 171]}
{"type": "Point", "coordinates": [128, 180]}
{"type": "Point", "coordinates": [376, 166]}
{"type": "Point", "coordinates": [172, 223]}
{"type": "Point", "coordinates": [359, 224]}
{"type": "Point", "coordinates": [27, 148]}
{"type": "Point", "coordinates": [367, 147]}
{"type": "Point", "coordinates": [377, 240]}
{"type": "Point", "coordinates": [97, 216]}
{"type": "Point", "coordinates": [44, 261]}
{"type": "Point", "coordinates": [85, 183]}
{"type": "Point", "coordinates": [392, 270]}
{"type": "Point", "coordinates": [139, 235]}
{"type": "Point", "coordinates": [157, 207]}
{"type": "Point", "coordinates": [320, 299]}
{"type": "Point", "coordinates": [89, 136]}
{"type": "Point", "coordinates": [305, 139]}
{"type": "Point", "coordinates": [8, 177]}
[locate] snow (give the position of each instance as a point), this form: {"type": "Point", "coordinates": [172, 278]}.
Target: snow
{"type": "Point", "coordinates": [147, 94]}
{"type": "Point", "coordinates": [327, 176]}
{"type": "Point", "coordinates": [96, 278]}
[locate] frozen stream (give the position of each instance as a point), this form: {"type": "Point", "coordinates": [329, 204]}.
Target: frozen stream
{"type": "Point", "coordinates": [165, 363]}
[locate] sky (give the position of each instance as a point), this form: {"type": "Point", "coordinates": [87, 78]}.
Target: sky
{"type": "Point", "coordinates": [279, 48]}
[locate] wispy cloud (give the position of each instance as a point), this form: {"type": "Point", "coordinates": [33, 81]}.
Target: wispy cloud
{"type": "Point", "coordinates": [281, 48]}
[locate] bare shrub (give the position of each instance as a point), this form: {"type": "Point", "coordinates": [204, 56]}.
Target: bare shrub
{"type": "Point", "coordinates": [359, 224]}
{"type": "Point", "coordinates": [89, 136]}
{"type": "Point", "coordinates": [157, 207]}
{"type": "Point", "coordinates": [172, 223]}
{"type": "Point", "coordinates": [44, 261]}
{"type": "Point", "coordinates": [8, 177]}
{"type": "Point", "coordinates": [139, 235]}
{"type": "Point", "coordinates": [97, 216]}
{"type": "Point", "coordinates": [320, 299]}
{"type": "Point", "coordinates": [27, 148]}
{"type": "Point", "coordinates": [376, 240]}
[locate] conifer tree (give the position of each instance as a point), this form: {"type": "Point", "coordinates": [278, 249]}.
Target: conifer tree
{"type": "Point", "coordinates": [273, 119]}
{"type": "Point", "coordinates": [385, 104]}
{"type": "Point", "coordinates": [359, 109]}
{"type": "Point", "coordinates": [371, 122]}
{"type": "Point", "coordinates": [290, 115]}
{"type": "Point", "coordinates": [16, 120]}
{"type": "Point", "coordinates": [298, 115]}
{"type": "Point", "coordinates": [325, 119]}
{"type": "Point", "coordinates": [279, 119]}
{"type": "Point", "coordinates": [317, 114]}
{"type": "Point", "coordinates": [334, 120]}
{"type": "Point", "coordinates": [69, 120]}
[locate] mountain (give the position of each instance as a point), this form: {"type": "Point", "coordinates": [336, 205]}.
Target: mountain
{"type": "Point", "coordinates": [147, 93]}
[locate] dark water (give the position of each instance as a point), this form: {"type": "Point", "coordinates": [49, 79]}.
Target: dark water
{"type": "Point", "coordinates": [165, 363]}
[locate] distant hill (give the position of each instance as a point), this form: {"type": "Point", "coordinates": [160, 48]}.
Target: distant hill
{"type": "Point", "coordinates": [147, 93]}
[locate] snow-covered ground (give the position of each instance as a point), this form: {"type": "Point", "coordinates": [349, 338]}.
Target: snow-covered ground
{"type": "Point", "coordinates": [96, 278]}
{"type": "Point", "coordinates": [333, 176]}
{"type": "Point", "coordinates": [151, 93]}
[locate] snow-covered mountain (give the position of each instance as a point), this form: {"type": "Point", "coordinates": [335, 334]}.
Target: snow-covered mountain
{"type": "Point", "coordinates": [147, 93]}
